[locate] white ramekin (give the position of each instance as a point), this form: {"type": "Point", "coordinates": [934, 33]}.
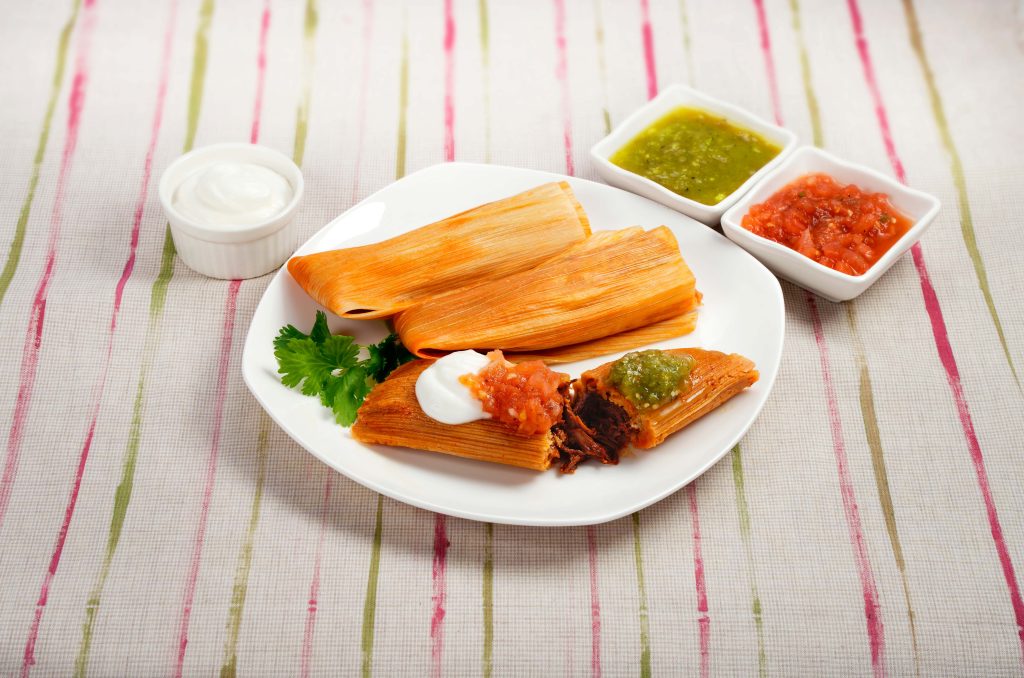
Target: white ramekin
{"type": "Point", "coordinates": [668, 100]}
{"type": "Point", "coordinates": [787, 263]}
{"type": "Point", "coordinates": [238, 252]}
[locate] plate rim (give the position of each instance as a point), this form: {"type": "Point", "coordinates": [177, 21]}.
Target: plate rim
{"type": "Point", "coordinates": [595, 519]}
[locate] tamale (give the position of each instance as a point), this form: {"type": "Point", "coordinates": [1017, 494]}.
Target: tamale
{"type": "Point", "coordinates": [598, 421]}
{"type": "Point", "coordinates": [391, 415]}
{"type": "Point", "coordinates": [484, 243]}
{"type": "Point", "coordinates": [612, 282]}
{"type": "Point", "coordinates": [715, 378]}
{"type": "Point", "coordinates": [616, 343]}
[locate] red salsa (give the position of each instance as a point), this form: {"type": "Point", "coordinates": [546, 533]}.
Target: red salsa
{"type": "Point", "coordinates": [525, 396]}
{"type": "Point", "coordinates": [837, 225]}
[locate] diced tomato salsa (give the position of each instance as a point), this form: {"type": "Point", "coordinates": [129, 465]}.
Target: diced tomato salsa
{"type": "Point", "coordinates": [524, 395]}
{"type": "Point", "coordinates": [837, 225]}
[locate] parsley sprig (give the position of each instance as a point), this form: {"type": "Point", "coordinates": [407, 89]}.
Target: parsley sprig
{"type": "Point", "coordinates": [328, 365]}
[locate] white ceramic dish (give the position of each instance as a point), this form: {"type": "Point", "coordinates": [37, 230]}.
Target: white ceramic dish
{"type": "Point", "coordinates": [742, 313]}
{"type": "Point", "coordinates": [787, 263]}
{"type": "Point", "coordinates": [236, 251]}
{"type": "Point", "coordinates": [671, 98]}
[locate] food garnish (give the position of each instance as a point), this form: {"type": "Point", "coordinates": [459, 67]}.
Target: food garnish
{"type": "Point", "coordinates": [526, 396]}
{"type": "Point", "coordinates": [328, 365]}
{"type": "Point", "coordinates": [443, 396]}
{"type": "Point", "coordinates": [696, 154]}
{"type": "Point", "coordinates": [836, 225]}
{"type": "Point", "coordinates": [651, 378]}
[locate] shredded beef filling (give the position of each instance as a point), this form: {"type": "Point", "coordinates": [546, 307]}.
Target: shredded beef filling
{"type": "Point", "coordinates": [591, 427]}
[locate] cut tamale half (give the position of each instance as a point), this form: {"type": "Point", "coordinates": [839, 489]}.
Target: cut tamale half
{"type": "Point", "coordinates": [484, 243]}
{"type": "Point", "coordinates": [391, 415]}
{"type": "Point", "coordinates": [616, 343]}
{"type": "Point", "coordinates": [612, 282]}
{"type": "Point", "coordinates": [714, 378]}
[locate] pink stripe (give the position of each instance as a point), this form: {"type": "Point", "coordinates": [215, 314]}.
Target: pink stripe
{"type": "Point", "coordinates": [37, 314]}
{"type": "Point", "coordinates": [98, 389]}
{"type": "Point", "coordinates": [648, 35]}
{"type": "Point", "coordinates": [942, 345]}
{"type": "Point", "coordinates": [766, 51]}
{"type": "Point", "coordinates": [876, 633]}
{"type": "Point", "coordinates": [561, 73]}
{"type": "Point", "coordinates": [704, 621]}
{"type": "Point", "coordinates": [261, 72]}
{"type": "Point", "coordinates": [449, 82]}
{"type": "Point", "coordinates": [876, 95]}
{"type": "Point", "coordinates": [363, 91]}
{"type": "Point", "coordinates": [211, 469]}
{"type": "Point", "coordinates": [441, 545]}
{"type": "Point", "coordinates": [595, 605]}
{"type": "Point", "coordinates": [29, 656]}
{"type": "Point", "coordinates": [314, 584]}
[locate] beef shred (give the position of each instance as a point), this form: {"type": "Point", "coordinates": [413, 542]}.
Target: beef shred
{"type": "Point", "coordinates": [590, 427]}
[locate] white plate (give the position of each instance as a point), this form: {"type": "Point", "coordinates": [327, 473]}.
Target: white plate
{"type": "Point", "coordinates": [742, 313]}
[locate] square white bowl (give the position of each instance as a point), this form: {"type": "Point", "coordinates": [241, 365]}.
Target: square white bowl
{"type": "Point", "coordinates": [787, 263]}
{"type": "Point", "coordinates": [668, 100]}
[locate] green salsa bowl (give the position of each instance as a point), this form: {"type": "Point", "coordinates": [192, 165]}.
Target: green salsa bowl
{"type": "Point", "coordinates": [625, 155]}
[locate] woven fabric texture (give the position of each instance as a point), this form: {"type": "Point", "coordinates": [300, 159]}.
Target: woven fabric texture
{"type": "Point", "coordinates": [154, 521]}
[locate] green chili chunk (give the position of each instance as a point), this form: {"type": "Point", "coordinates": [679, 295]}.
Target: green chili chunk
{"type": "Point", "coordinates": [651, 378]}
{"type": "Point", "coordinates": [696, 154]}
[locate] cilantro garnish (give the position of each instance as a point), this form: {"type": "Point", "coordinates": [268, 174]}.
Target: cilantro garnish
{"type": "Point", "coordinates": [328, 366]}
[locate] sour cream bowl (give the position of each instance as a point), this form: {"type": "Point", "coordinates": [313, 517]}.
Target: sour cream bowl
{"type": "Point", "coordinates": [260, 237]}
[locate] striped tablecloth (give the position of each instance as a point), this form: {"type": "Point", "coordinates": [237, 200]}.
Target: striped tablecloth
{"type": "Point", "coordinates": [154, 522]}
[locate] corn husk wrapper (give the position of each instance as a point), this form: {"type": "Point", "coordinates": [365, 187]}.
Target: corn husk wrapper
{"type": "Point", "coordinates": [481, 244]}
{"type": "Point", "coordinates": [612, 282]}
{"type": "Point", "coordinates": [616, 343]}
{"type": "Point", "coordinates": [391, 415]}
{"type": "Point", "coordinates": [715, 378]}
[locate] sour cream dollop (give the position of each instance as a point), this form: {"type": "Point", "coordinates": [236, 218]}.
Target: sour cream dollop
{"type": "Point", "coordinates": [443, 397]}
{"type": "Point", "coordinates": [232, 194]}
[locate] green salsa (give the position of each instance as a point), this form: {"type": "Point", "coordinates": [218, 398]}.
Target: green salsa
{"type": "Point", "coordinates": [651, 378]}
{"type": "Point", "coordinates": [696, 154]}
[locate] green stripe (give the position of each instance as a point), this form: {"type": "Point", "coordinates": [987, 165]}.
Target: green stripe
{"type": "Point", "coordinates": [14, 253]}
{"type": "Point", "coordinates": [241, 583]}
{"type": "Point", "coordinates": [874, 438]}
{"type": "Point", "coordinates": [158, 295]}
{"type": "Point", "coordinates": [601, 66]}
{"type": "Point", "coordinates": [488, 601]}
{"type": "Point", "coordinates": [957, 169]}
{"type": "Point", "coordinates": [370, 604]}
{"type": "Point", "coordinates": [745, 534]}
{"type": "Point", "coordinates": [122, 497]}
{"type": "Point", "coordinates": [805, 71]}
{"type": "Point", "coordinates": [403, 105]}
{"type": "Point", "coordinates": [199, 54]}
{"type": "Point", "coordinates": [302, 114]}
{"type": "Point", "coordinates": [645, 629]}
{"type": "Point", "coordinates": [687, 50]}
{"type": "Point", "coordinates": [485, 55]}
